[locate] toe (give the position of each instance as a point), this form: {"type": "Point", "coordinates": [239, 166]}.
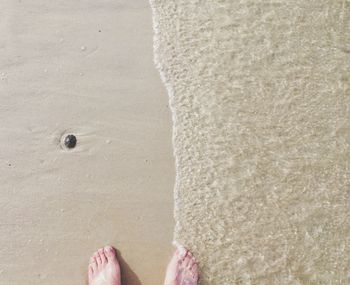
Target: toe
{"type": "Point", "coordinates": [177, 252]}
{"type": "Point", "coordinates": [185, 254]}
{"type": "Point", "coordinates": [190, 256]}
{"type": "Point", "coordinates": [91, 271]}
{"type": "Point", "coordinates": [179, 255]}
{"type": "Point", "coordinates": [110, 253]}
{"type": "Point", "coordinates": [98, 259]}
{"type": "Point", "coordinates": [191, 263]}
{"type": "Point", "coordinates": [102, 256]}
{"type": "Point", "coordinates": [95, 255]}
{"type": "Point", "coordinates": [181, 252]}
{"type": "Point", "coordinates": [186, 261]}
{"type": "Point", "coordinates": [194, 271]}
{"type": "Point", "coordinates": [175, 260]}
{"type": "Point", "coordinates": [194, 268]}
{"type": "Point", "coordinates": [93, 264]}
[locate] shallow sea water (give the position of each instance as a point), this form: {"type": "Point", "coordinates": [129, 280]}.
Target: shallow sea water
{"type": "Point", "coordinates": [260, 97]}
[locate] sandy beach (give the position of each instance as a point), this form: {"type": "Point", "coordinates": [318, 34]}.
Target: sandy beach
{"type": "Point", "coordinates": [84, 68]}
{"type": "Point", "coordinates": [258, 121]}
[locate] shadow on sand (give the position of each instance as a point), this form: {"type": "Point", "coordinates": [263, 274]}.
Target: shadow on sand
{"type": "Point", "coordinates": [128, 276]}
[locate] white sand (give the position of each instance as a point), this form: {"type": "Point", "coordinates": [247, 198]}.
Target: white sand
{"type": "Point", "coordinates": [261, 105]}
{"type": "Point", "coordinates": [82, 67]}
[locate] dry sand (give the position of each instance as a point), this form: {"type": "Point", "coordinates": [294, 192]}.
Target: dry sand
{"type": "Point", "coordinates": [260, 94]}
{"type": "Point", "coordinates": [82, 67]}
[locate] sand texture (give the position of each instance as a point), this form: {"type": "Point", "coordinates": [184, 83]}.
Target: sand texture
{"type": "Point", "coordinates": [82, 67]}
{"type": "Point", "coordinates": [260, 98]}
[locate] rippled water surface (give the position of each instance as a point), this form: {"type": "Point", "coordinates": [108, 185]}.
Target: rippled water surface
{"type": "Point", "coordinates": [261, 105]}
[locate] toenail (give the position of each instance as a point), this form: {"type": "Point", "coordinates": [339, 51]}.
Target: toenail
{"type": "Point", "coordinates": [183, 254]}
{"type": "Point", "coordinates": [182, 251]}
{"type": "Point", "coordinates": [108, 248]}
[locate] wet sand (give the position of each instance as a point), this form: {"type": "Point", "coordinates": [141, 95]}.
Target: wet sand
{"type": "Point", "coordinates": [86, 68]}
{"type": "Point", "coordinates": [260, 95]}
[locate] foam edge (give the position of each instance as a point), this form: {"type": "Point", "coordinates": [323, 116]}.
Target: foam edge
{"type": "Point", "coordinates": [170, 91]}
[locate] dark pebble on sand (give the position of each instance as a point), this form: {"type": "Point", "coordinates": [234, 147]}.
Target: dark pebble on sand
{"type": "Point", "coordinates": [70, 141]}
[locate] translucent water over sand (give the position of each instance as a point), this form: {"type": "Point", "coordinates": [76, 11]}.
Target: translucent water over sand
{"type": "Point", "coordinates": [260, 97]}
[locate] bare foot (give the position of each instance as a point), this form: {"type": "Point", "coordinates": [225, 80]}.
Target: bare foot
{"type": "Point", "coordinates": [182, 269]}
{"type": "Point", "coordinates": [104, 267]}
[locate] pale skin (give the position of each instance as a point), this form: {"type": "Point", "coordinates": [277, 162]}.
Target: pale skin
{"type": "Point", "coordinates": [104, 268]}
